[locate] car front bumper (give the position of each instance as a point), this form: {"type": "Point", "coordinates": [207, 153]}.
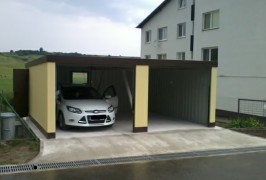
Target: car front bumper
{"type": "Point", "coordinates": [89, 119]}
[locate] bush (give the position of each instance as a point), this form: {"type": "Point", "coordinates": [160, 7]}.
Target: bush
{"type": "Point", "coordinates": [249, 122]}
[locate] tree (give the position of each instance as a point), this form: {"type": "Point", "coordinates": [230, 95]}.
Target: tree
{"type": "Point", "coordinates": [41, 50]}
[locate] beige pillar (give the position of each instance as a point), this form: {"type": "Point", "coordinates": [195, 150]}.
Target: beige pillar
{"type": "Point", "coordinates": [213, 96]}
{"type": "Point", "coordinates": [42, 97]}
{"type": "Point", "coordinates": [141, 99]}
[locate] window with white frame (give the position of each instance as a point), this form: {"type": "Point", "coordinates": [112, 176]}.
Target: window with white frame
{"type": "Point", "coordinates": [148, 36]}
{"type": "Point", "coordinates": [147, 56]}
{"type": "Point", "coordinates": [162, 33]}
{"type": "Point", "coordinates": [210, 54]}
{"type": "Point", "coordinates": [181, 30]}
{"type": "Point", "coordinates": [182, 3]}
{"type": "Point", "coordinates": [211, 20]}
{"type": "Point", "coordinates": [181, 55]}
{"type": "Point", "coordinates": [161, 56]}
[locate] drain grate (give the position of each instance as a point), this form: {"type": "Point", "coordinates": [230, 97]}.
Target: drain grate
{"type": "Point", "coordinates": [15, 168]}
{"type": "Point", "coordinates": [120, 160]}
{"type": "Point", "coordinates": [251, 149]}
{"type": "Point", "coordinates": [86, 163]}
{"type": "Point", "coordinates": [172, 155]}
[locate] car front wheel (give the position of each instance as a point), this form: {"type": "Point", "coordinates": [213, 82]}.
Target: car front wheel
{"type": "Point", "coordinates": [62, 124]}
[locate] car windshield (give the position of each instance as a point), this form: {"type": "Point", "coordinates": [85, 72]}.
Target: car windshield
{"type": "Point", "coordinates": [74, 92]}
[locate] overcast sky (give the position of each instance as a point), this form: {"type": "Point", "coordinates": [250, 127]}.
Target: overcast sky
{"type": "Point", "coordinates": [100, 27]}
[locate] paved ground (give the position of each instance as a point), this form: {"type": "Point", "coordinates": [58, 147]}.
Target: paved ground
{"type": "Point", "coordinates": [75, 147]}
{"type": "Point", "coordinates": [237, 167]}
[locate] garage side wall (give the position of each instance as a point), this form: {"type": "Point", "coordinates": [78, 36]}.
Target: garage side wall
{"type": "Point", "coordinates": [42, 97]}
{"type": "Point", "coordinates": [183, 94]}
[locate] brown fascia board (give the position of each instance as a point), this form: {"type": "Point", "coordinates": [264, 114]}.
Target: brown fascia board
{"type": "Point", "coordinates": [157, 10]}
{"type": "Point", "coordinates": [119, 62]}
{"type": "Point", "coordinates": [66, 59]}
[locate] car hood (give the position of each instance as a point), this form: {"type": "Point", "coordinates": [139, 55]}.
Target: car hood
{"type": "Point", "coordinates": [90, 104]}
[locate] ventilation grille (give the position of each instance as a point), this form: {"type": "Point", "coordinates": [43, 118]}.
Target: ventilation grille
{"type": "Point", "coordinates": [120, 160]}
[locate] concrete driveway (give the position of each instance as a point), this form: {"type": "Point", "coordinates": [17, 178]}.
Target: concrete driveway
{"type": "Point", "coordinates": [122, 144]}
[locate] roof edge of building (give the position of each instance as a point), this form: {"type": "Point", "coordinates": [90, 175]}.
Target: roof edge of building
{"type": "Point", "coordinates": [112, 61]}
{"type": "Point", "coordinates": [153, 13]}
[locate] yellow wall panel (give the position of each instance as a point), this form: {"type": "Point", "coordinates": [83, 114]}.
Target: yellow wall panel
{"type": "Point", "coordinates": [141, 96]}
{"type": "Point", "coordinates": [42, 95]}
{"type": "Point", "coordinates": [213, 95]}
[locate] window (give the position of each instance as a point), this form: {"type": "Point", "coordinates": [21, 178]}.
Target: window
{"type": "Point", "coordinates": [162, 34]}
{"type": "Point", "coordinates": [181, 55]}
{"type": "Point", "coordinates": [182, 4]}
{"type": "Point", "coordinates": [161, 56]}
{"type": "Point", "coordinates": [79, 77]}
{"type": "Point", "coordinates": [210, 54]}
{"type": "Point", "coordinates": [211, 20]}
{"type": "Point", "coordinates": [181, 30]}
{"type": "Point", "coordinates": [147, 36]}
{"type": "Point", "coordinates": [147, 56]}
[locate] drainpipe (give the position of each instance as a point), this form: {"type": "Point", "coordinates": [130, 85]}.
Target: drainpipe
{"type": "Point", "coordinates": [193, 29]}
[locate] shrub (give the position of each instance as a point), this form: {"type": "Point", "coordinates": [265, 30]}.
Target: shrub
{"type": "Point", "coordinates": [248, 122]}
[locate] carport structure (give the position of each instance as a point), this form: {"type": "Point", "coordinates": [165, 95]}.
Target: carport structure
{"type": "Point", "coordinates": [182, 89]}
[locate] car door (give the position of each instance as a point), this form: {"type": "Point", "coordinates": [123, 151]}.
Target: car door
{"type": "Point", "coordinates": [111, 97]}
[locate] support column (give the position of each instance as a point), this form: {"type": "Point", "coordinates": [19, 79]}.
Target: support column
{"type": "Point", "coordinates": [42, 80]}
{"type": "Point", "coordinates": [141, 99]}
{"type": "Point", "coordinates": [213, 95]}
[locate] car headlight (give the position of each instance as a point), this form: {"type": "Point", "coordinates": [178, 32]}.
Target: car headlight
{"type": "Point", "coordinates": [74, 110]}
{"type": "Point", "coordinates": [110, 109]}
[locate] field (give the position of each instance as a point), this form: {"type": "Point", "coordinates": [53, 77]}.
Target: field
{"type": "Point", "coordinates": [8, 62]}
{"type": "Point", "coordinates": [80, 78]}
{"type": "Point", "coordinates": [17, 60]}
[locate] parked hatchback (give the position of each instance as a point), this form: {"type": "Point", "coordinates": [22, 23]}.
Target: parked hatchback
{"type": "Point", "coordinates": [83, 106]}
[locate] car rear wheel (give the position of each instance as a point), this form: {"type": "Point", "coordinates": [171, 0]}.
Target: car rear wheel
{"type": "Point", "coordinates": [62, 124]}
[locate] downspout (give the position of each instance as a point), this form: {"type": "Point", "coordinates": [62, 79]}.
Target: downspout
{"type": "Point", "coordinates": [193, 29]}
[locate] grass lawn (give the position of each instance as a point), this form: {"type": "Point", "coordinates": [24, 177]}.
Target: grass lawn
{"type": "Point", "coordinates": [79, 78]}
{"type": "Point", "coordinates": [254, 131]}
{"type": "Point", "coordinates": [18, 151]}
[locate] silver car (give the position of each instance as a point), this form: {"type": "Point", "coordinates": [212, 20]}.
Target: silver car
{"type": "Point", "coordinates": [83, 106]}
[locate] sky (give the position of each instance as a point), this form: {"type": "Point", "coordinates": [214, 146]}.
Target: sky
{"type": "Point", "coordinates": [97, 27]}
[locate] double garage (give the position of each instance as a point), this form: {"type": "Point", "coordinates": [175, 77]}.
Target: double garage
{"type": "Point", "coordinates": [183, 90]}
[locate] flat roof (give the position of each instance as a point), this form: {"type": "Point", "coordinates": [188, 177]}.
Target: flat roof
{"type": "Point", "coordinates": [119, 62]}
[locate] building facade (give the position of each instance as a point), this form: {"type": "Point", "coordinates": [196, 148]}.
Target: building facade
{"type": "Point", "coordinates": [229, 32]}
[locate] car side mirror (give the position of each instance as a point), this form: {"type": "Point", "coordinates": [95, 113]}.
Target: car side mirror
{"type": "Point", "coordinates": [107, 96]}
{"type": "Point", "coordinates": [109, 92]}
{"type": "Point", "coordinates": [59, 98]}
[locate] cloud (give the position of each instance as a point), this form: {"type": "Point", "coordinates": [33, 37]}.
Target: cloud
{"type": "Point", "coordinates": [116, 10]}
{"type": "Point", "coordinates": [91, 27]}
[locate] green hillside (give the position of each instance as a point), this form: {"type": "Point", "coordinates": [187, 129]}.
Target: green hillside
{"type": "Point", "coordinates": [8, 62]}
{"type": "Point", "coordinates": [17, 60]}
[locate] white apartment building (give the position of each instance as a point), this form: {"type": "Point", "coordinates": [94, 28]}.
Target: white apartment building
{"type": "Point", "coordinates": [231, 32]}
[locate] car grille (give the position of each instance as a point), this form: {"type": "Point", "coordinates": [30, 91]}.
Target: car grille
{"type": "Point", "coordinates": [96, 119]}
{"type": "Point", "coordinates": [96, 111]}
